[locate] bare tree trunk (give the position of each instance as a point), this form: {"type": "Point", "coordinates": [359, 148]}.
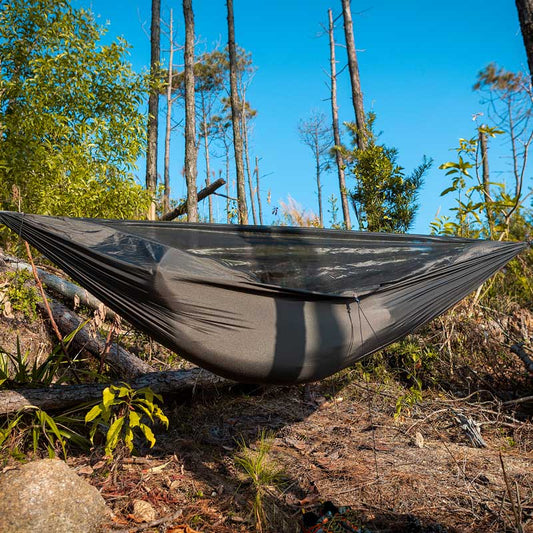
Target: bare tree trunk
{"type": "Point", "coordinates": [166, 193]}
{"type": "Point", "coordinates": [258, 190]}
{"type": "Point", "coordinates": [335, 122]}
{"type": "Point", "coordinates": [153, 104]}
{"type": "Point", "coordinates": [244, 123]}
{"type": "Point", "coordinates": [228, 201]}
{"type": "Point", "coordinates": [318, 185]}
{"type": "Point", "coordinates": [206, 153]}
{"type": "Point", "coordinates": [525, 15]}
{"type": "Point", "coordinates": [190, 115]}
{"type": "Point", "coordinates": [357, 95]}
{"type": "Point", "coordinates": [236, 118]}
{"type": "Point", "coordinates": [486, 179]}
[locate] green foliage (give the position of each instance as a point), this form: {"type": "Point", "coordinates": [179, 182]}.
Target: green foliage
{"type": "Point", "coordinates": [32, 428]}
{"type": "Point", "coordinates": [17, 295]}
{"type": "Point", "coordinates": [260, 471]}
{"type": "Point", "coordinates": [414, 361]}
{"type": "Point", "coordinates": [384, 198]}
{"type": "Point", "coordinates": [333, 210]}
{"type": "Point", "coordinates": [475, 215]}
{"type": "Point", "coordinates": [122, 412]}
{"type": "Point", "coordinates": [70, 126]}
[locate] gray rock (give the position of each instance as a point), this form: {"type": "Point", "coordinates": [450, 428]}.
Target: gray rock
{"type": "Point", "coordinates": [47, 496]}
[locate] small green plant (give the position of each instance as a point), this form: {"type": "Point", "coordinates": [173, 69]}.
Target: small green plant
{"type": "Point", "coordinates": [17, 295]}
{"type": "Point", "coordinates": [260, 471]}
{"type": "Point", "coordinates": [34, 428]}
{"type": "Point", "coordinates": [415, 360]}
{"type": "Point", "coordinates": [16, 369]}
{"type": "Point", "coordinates": [121, 413]}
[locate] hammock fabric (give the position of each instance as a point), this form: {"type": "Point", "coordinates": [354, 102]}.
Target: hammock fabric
{"type": "Point", "coordinates": [263, 304]}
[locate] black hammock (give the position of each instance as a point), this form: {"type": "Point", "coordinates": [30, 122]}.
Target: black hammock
{"type": "Point", "coordinates": [263, 304]}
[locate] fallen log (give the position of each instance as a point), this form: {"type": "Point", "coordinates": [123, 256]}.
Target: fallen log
{"type": "Point", "coordinates": [63, 396]}
{"type": "Point", "coordinates": [526, 359]}
{"type": "Point", "coordinates": [62, 286]}
{"type": "Point", "coordinates": [204, 193]}
{"type": "Point", "coordinates": [123, 362]}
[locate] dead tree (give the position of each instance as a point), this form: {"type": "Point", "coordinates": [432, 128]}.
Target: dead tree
{"type": "Point", "coordinates": [525, 15]}
{"type": "Point", "coordinates": [166, 192]}
{"type": "Point", "coordinates": [357, 94]}
{"type": "Point", "coordinates": [258, 190]}
{"type": "Point", "coordinates": [236, 118]}
{"type": "Point", "coordinates": [247, 111]}
{"type": "Point", "coordinates": [204, 193]}
{"type": "Point", "coordinates": [315, 133]}
{"type": "Point", "coordinates": [153, 104]}
{"type": "Point", "coordinates": [335, 124]}
{"type": "Point", "coordinates": [205, 135]}
{"type": "Point", "coordinates": [190, 115]}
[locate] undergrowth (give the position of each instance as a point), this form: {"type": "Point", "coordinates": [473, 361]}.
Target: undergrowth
{"type": "Point", "coordinates": [123, 413]}
{"type": "Point", "coordinates": [260, 472]}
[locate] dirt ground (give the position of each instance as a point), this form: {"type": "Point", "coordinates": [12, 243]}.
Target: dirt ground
{"type": "Point", "coordinates": [336, 441]}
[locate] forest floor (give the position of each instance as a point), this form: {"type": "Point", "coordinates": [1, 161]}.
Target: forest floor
{"type": "Point", "coordinates": [343, 440]}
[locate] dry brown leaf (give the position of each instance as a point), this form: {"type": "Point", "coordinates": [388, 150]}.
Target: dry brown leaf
{"type": "Point", "coordinates": [182, 529]}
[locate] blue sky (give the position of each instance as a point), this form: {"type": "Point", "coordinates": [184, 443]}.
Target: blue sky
{"type": "Point", "coordinates": [418, 62]}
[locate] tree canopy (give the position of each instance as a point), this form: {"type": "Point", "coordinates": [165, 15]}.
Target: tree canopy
{"type": "Point", "coordinates": [70, 126]}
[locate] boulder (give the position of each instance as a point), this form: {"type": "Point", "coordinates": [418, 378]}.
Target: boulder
{"type": "Point", "coordinates": [47, 495]}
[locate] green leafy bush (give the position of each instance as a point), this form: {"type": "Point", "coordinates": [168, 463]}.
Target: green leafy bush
{"type": "Point", "coordinates": [17, 295]}
{"type": "Point", "coordinates": [123, 412]}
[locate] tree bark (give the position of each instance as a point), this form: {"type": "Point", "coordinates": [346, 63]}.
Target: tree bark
{"type": "Point", "coordinates": [244, 122]}
{"type": "Point", "coordinates": [166, 193]}
{"type": "Point", "coordinates": [335, 122]}
{"type": "Point", "coordinates": [236, 117]}
{"type": "Point", "coordinates": [123, 362]}
{"type": "Point", "coordinates": [206, 153]}
{"type": "Point", "coordinates": [62, 396]}
{"type": "Point", "coordinates": [357, 95]}
{"type": "Point", "coordinates": [258, 190]}
{"type": "Point", "coordinates": [526, 359]}
{"type": "Point", "coordinates": [190, 115]}
{"type": "Point", "coordinates": [153, 104]}
{"type": "Point", "coordinates": [486, 179]}
{"type": "Point", "coordinates": [204, 193]}
{"type": "Point", "coordinates": [318, 185]}
{"type": "Point", "coordinates": [525, 15]}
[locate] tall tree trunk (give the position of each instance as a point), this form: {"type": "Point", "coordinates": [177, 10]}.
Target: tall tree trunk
{"type": "Point", "coordinates": [258, 190]}
{"type": "Point", "coordinates": [236, 117]}
{"type": "Point", "coordinates": [166, 192]}
{"type": "Point", "coordinates": [525, 15]}
{"type": "Point", "coordinates": [318, 185]}
{"type": "Point", "coordinates": [486, 179]}
{"type": "Point", "coordinates": [153, 104]}
{"type": "Point", "coordinates": [206, 153]}
{"type": "Point", "coordinates": [335, 122]}
{"type": "Point", "coordinates": [190, 115]}
{"type": "Point", "coordinates": [244, 123]}
{"type": "Point", "coordinates": [228, 199]}
{"type": "Point", "coordinates": [357, 95]}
